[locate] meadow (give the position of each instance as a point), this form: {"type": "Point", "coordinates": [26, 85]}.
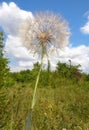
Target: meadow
{"type": "Point", "coordinates": [62, 97]}
{"type": "Point", "coordinates": [61, 103]}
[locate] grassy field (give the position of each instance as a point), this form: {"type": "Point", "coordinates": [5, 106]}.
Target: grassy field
{"type": "Point", "coordinates": [56, 108]}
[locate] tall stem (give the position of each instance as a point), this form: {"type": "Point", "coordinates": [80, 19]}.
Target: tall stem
{"type": "Point", "coordinates": [28, 122]}
{"type": "Point", "coordinates": [36, 84]}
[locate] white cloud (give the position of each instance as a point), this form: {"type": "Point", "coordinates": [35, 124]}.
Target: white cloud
{"type": "Point", "coordinates": [11, 16]}
{"type": "Point", "coordinates": [78, 55]}
{"type": "Point", "coordinates": [14, 47]}
{"type": "Point", "coordinates": [85, 28]}
{"type": "Point", "coordinates": [20, 57]}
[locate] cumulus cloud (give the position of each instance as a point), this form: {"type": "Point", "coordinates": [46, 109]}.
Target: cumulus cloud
{"type": "Point", "coordinates": [20, 58]}
{"type": "Point", "coordinates": [85, 28]}
{"type": "Point", "coordinates": [11, 16]}
{"type": "Point", "coordinates": [77, 55]}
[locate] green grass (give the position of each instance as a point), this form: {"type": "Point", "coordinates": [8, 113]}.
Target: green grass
{"type": "Point", "coordinates": [55, 109]}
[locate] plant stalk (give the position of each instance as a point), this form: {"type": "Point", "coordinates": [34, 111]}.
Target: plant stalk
{"type": "Point", "coordinates": [28, 122]}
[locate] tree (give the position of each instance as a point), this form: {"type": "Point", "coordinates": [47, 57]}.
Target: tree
{"type": "Point", "coordinates": [4, 70]}
{"type": "Point", "coordinates": [70, 72]}
{"type": "Point", "coordinates": [62, 69]}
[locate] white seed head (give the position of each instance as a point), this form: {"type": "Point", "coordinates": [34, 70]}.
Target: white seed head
{"type": "Point", "coordinates": [45, 30]}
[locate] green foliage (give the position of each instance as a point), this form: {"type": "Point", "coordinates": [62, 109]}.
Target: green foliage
{"type": "Point", "coordinates": [69, 72]}
{"type": "Point", "coordinates": [62, 102]}
{"type": "Point", "coordinates": [4, 110]}
{"type": "Point", "coordinates": [86, 77]}
{"type": "Point", "coordinates": [58, 108]}
{"type": "Point", "coordinates": [1, 44]}
{"type": "Point", "coordinates": [64, 74]}
{"type": "Point", "coordinates": [62, 97]}
{"type": "Point", "coordinates": [4, 70]}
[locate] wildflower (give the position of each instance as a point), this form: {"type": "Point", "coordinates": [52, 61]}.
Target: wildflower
{"type": "Point", "coordinates": [39, 34]}
{"type": "Point", "coordinates": [44, 31]}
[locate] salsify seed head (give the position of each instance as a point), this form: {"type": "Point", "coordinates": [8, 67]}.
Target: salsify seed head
{"type": "Point", "coordinates": [44, 31]}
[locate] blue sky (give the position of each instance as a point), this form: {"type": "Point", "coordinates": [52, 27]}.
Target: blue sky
{"type": "Point", "coordinates": [76, 12]}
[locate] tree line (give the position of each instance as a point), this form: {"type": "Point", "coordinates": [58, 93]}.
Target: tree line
{"type": "Point", "coordinates": [64, 73]}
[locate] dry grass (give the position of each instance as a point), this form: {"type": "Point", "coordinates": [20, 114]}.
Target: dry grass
{"type": "Point", "coordinates": [62, 107]}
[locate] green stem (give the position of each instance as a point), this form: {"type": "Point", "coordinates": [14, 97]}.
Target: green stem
{"type": "Point", "coordinates": [28, 122]}
{"type": "Point", "coordinates": [37, 80]}
{"type": "Point", "coordinates": [36, 84]}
